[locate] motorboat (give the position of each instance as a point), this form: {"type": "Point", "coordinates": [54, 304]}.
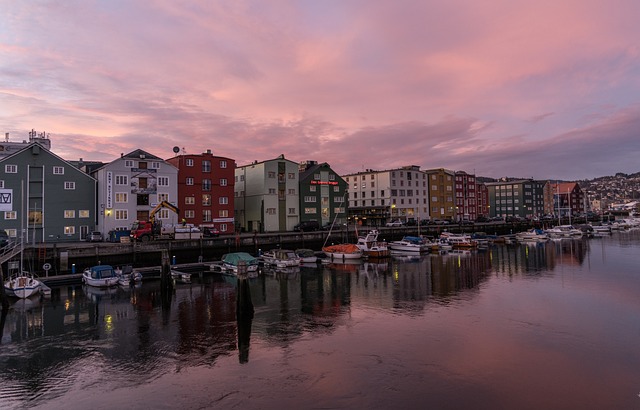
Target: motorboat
{"type": "Point", "coordinates": [236, 262]}
{"type": "Point", "coordinates": [415, 244]}
{"type": "Point", "coordinates": [343, 251]}
{"type": "Point", "coordinates": [533, 235]}
{"type": "Point", "coordinates": [371, 247]}
{"type": "Point", "coordinates": [180, 277]}
{"type": "Point", "coordinates": [564, 231]}
{"type": "Point", "coordinates": [307, 255]}
{"type": "Point", "coordinates": [459, 241]}
{"type": "Point", "coordinates": [22, 285]}
{"type": "Point", "coordinates": [101, 276]}
{"type": "Point", "coordinates": [280, 258]}
{"type": "Point", "coordinates": [127, 276]}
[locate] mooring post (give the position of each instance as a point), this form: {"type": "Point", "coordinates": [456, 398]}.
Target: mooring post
{"type": "Point", "coordinates": [166, 282]}
{"type": "Point", "coordinates": [244, 313]}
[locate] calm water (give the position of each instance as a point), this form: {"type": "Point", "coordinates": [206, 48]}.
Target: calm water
{"type": "Point", "coordinates": [553, 326]}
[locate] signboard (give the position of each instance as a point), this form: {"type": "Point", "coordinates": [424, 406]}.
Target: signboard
{"type": "Point", "coordinates": [6, 199]}
{"type": "Point", "coordinates": [314, 182]}
{"type": "Point", "coordinates": [109, 189]}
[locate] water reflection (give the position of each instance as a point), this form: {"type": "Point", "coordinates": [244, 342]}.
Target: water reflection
{"type": "Point", "coordinates": [130, 336]}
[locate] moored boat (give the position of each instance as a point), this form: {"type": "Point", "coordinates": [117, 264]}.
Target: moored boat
{"type": "Point", "coordinates": [459, 241]}
{"type": "Point", "coordinates": [101, 276]}
{"type": "Point", "coordinates": [343, 251]}
{"type": "Point", "coordinates": [371, 247]}
{"type": "Point", "coordinates": [533, 235]}
{"type": "Point", "coordinates": [410, 244]}
{"type": "Point", "coordinates": [22, 285]}
{"type": "Point", "coordinates": [231, 262]}
{"type": "Point", "coordinates": [307, 255]}
{"type": "Point", "coordinates": [281, 258]}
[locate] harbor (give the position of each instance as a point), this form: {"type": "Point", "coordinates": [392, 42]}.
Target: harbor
{"type": "Point", "coordinates": [522, 325]}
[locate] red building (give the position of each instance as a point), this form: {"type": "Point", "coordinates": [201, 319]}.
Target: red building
{"type": "Point", "coordinates": [482, 197]}
{"type": "Point", "coordinates": [205, 190]}
{"type": "Point", "coordinates": [465, 196]}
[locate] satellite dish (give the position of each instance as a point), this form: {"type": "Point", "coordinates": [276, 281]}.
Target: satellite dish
{"type": "Point", "coordinates": [176, 149]}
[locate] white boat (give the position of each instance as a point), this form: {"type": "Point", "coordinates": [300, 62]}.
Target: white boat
{"type": "Point", "coordinates": [459, 241]}
{"type": "Point", "coordinates": [343, 251]}
{"type": "Point", "coordinates": [232, 261]}
{"type": "Point", "coordinates": [564, 231]}
{"type": "Point", "coordinates": [307, 255]}
{"type": "Point", "coordinates": [371, 247]}
{"type": "Point", "coordinates": [410, 244]}
{"type": "Point", "coordinates": [126, 276]}
{"type": "Point", "coordinates": [101, 276]}
{"type": "Point", "coordinates": [22, 285]}
{"type": "Point", "coordinates": [601, 230]}
{"type": "Point", "coordinates": [281, 258]}
{"type": "Point", "coordinates": [533, 235]}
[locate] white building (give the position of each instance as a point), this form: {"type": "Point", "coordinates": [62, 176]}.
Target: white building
{"type": "Point", "coordinates": [377, 197]}
{"type": "Point", "coordinates": [131, 186]}
{"type": "Point", "coordinates": [267, 195]}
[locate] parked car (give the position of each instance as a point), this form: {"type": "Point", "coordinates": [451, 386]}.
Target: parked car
{"type": "Point", "coordinates": [412, 222]}
{"type": "Point", "coordinates": [305, 226]}
{"type": "Point", "coordinates": [394, 223]}
{"type": "Point", "coordinates": [95, 236]}
{"type": "Point", "coordinates": [466, 222]}
{"type": "Point", "coordinates": [210, 232]}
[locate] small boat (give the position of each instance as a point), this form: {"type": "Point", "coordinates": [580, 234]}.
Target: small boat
{"type": "Point", "coordinates": [410, 244]}
{"type": "Point", "coordinates": [22, 285]}
{"type": "Point", "coordinates": [281, 258]}
{"type": "Point", "coordinates": [237, 261]}
{"type": "Point", "coordinates": [343, 251]}
{"type": "Point", "coordinates": [459, 241]}
{"type": "Point", "coordinates": [307, 255]}
{"type": "Point", "coordinates": [101, 276]}
{"type": "Point", "coordinates": [533, 235]}
{"type": "Point", "coordinates": [127, 276]}
{"type": "Point", "coordinates": [564, 231]}
{"type": "Point", "coordinates": [371, 247]}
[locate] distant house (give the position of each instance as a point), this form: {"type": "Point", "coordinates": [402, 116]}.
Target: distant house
{"type": "Point", "coordinates": [322, 194]}
{"type": "Point", "coordinates": [46, 196]}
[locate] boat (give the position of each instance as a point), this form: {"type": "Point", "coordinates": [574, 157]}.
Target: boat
{"type": "Point", "coordinates": [441, 244]}
{"type": "Point", "coordinates": [307, 255]}
{"type": "Point", "coordinates": [533, 235]}
{"type": "Point", "coordinates": [280, 258]}
{"type": "Point", "coordinates": [371, 247]}
{"type": "Point", "coordinates": [415, 244]}
{"type": "Point", "coordinates": [22, 285]}
{"type": "Point", "coordinates": [101, 276]}
{"type": "Point", "coordinates": [564, 231]}
{"type": "Point", "coordinates": [126, 276]}
{"type": "Point", "coordinates": [459, 241]}
{"type": "Point", "coordinates": [343, 251]}
{"type": "Point", "coordinates": [601, 230]}
{"type": "Point", "coordinates": [236, 261]}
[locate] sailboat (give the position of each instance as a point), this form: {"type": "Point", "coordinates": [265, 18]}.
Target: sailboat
{"type": "Point", "coordinates": [341, 251]}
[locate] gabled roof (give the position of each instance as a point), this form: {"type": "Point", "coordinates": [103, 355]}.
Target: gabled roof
{"type": "Point", "coordinates": [44, 150]}
{"type": "Point", "coordinates": [141, 154]}
{"type": "Point", "coordinates": [563, 187]}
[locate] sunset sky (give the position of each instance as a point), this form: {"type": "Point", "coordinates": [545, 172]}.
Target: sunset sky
{"type": "Point", "coordinates": [542, 89]}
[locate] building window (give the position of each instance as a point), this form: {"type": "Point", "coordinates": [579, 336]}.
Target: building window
{"type": "Point", "coordinates": [271, 211]}
{"type": "Point", "coordinates": [312, 188]}
{"type": "Point", "coordinates": [1, 183]}
{"type": "Point", "coordinates": [272, 191]}
{"type": "Point", "coordinates": [189, 162]}
{"type": "Point", "coordinates": [189, 214]}
{"type": "Point", "coordinates": [69, 185]}
{"type": "Point", "coordinates": [69, 230]}
{"type": "Point", "coordinates": [292, 191]}
{"type": "Point", "coordinates": [332, 177]}
{"type": "Point", "coordinates": [223, 163]}
{"type": "Point", "coordinates": [163, 214]}
{"type": "Point", "coordinates": [189, 181]}
{"type": "Point", "coordinates": [292, 211]}
{"type": "Point", "coordinates": [271, 174]}
{"type": "Point", "coordinates": [292, 175]}
{"type": "Point", "coordinates": [11, 169]}
{"type": "Point", "coordinates": [69, 213]}
{"type": "Point", "coordinates": [122, 180]}
{"type": "Point", "coordinates": [206, 199]}
{"type": "Point", "coordinates": [223, 200]}
{"type": "Point", "coordinates": [83, 213]}
{"type": "Point", "coordinates": [309, 199]}
{"type": "Point", "coordinates": [155, 165]}
{"type": "Point", "coordinates": [206, 166]}
{"type": "Point", "coordinates": [223, 213]}
{"type": "Point", "coordinates": [189, 200]}
{"type": "Point", "coordinates": [163, 197]}
{"type": "Point", "coordinates": [10, 215]}
{"type": "Point", "coordinates": [58, 170]}
{"type": "Point", "coordinates": [121, 214]}
{"type": "Point", "coordinates": [336, 188]}
{"type": "Point", "coordinates": [223, 182]}
{"type": "Point", "coordinates": [163, 181]}
{"type": "Point", "coordinates": [206, 215]}
{"type": "Point", "coordinates": [206, 185]}
{"type": "Point", "coordinates": [310, 211]}
{"type": "Point", "coordinates": [338, 199]}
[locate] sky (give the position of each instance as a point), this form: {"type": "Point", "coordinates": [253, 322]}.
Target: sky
{"type": "Point", "coordinates": [541, 89]}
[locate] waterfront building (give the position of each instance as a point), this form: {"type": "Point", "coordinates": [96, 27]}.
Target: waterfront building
{"type": "Point", "coordinates": [206, 190]}
{"type": "Point", "coordinates": [569, 199]}
{"type": "Point", "coordinates": [377, 197]}
{"type": "Point", "coordinates": [266, 196]}
{"type": "Point", "coordinates": [466, 201]}
{"type": "Point", "coordinates": [441, 193]}
{"type": "Point", "coordinates": [516, 198]}
{"type": "Point", "coordinates": [482, 196]}
{"type": "Point", "coordinates": [46, 197]}
{"type": "Point", "coordinates": [130, 187]}
{"type": "Point", "coordinates": [322, 194]}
